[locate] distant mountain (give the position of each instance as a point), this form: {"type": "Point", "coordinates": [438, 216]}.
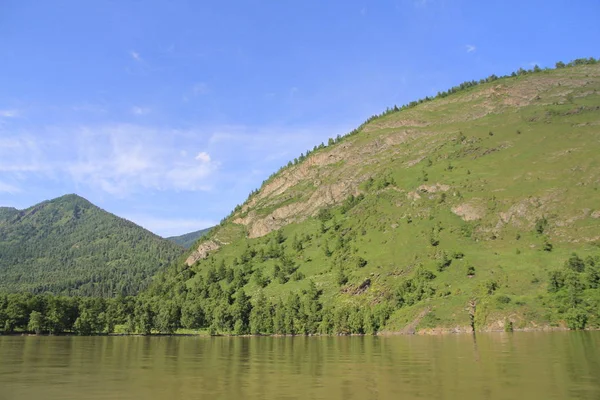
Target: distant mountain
{"type": "Point", "coordinates": [70, 246]}
{"type": "Point", "coordinates": [188, 239]}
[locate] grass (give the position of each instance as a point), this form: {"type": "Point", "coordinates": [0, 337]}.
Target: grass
{"type": "Point", "coordinates": [517, 149]}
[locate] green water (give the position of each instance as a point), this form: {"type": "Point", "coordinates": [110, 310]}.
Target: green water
{"type": "Point", "coordinates": [561, 365]}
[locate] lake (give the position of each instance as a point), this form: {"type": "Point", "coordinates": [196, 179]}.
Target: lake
{"type": "Point", "coordinates": [525, 365]}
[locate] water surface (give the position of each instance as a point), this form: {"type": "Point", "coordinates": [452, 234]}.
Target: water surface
{"type": "Point", "coordinates": [558, 365]}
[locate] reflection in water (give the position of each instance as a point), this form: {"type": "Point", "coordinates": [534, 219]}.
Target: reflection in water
{"type": "Point", "coordinates": [557, 365]}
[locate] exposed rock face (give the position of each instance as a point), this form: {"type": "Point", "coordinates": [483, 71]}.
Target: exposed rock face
{"type": "Point", "coordinates": [469, 211]}
{"type": "Point", "coordinates": [324, 196]}
{"type": "Point", "coordinates": [438, 187]}
{"type": "Point", "coordinates": [202, 251]}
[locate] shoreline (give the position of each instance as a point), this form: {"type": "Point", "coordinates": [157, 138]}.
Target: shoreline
{"type": "Point", "coordinates": [425, 332]}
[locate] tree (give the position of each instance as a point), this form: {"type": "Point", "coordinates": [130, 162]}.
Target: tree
{"type": "Point", "coordinates": [576, 319]}
{"type": "Point", "coordinates": [143, 316]}
{"type": "Point", "coordinates": [168, 317]}
{"type": "Point", "coordinates": [261, 321]}
{"type": "Point", "coordinates": [575, 263]}
{"type": "Point", "coordinates": [355, 321]}
{"type": "Point", "coordinates": [36, 322]}
{"type": "Point", "coordinates": [240, 312]}
{"type": "Point", "coordinates": [192, 315]}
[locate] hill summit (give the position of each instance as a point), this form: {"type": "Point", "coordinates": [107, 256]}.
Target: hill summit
{"type": "Point", "coordinates": [69, 246]}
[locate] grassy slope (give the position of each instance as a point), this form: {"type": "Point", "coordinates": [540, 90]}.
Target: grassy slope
{"type": "Point", "coordinates": [512, 151]}
{"type": "Point", "coordinates": [187, 240]}
{"type": "Point", "coordinates": [69, 246]}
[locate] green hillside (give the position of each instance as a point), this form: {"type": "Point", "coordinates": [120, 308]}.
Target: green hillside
{"type": "Point", "coordinates": [189, 239]}
{"type": "Point", "coordinates": [476, 209]}
{"type": "Point", "coordinates": [450, 213]}
{"type": "Point", "coordinates": [69, 246]}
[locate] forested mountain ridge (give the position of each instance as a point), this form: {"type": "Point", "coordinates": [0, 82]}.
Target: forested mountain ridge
{"type": "Point", "coordinates": [187, 240]}
{"type": "Point", "coordinates": [475, 209]}
{"type": "Point", "coordinates": [69, 246]}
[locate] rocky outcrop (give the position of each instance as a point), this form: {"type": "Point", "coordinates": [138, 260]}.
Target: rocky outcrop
{"type": "Point", "coordinates": [469, 211]}
{"type": "Point", "coordinates": [324, 196]}
{"type": "Point", "coordinates": [202, 251]}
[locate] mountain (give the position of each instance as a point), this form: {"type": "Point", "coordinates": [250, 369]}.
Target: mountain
{"type": "Point", "coordinates": [187, 240]}
{"type": "Point", "coordinates": [476, 209]}
{"type": "Point", "coordinates": [69, 246]}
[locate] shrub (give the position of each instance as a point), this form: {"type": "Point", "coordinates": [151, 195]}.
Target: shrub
{"type": "Point", "coordinates": [576, 319]}
{"type": "Point", "coordinates": [297, 276]}
{"type": "Point", "coordinates": [341, 277]}
{"type": "Point", "coordinates": [470, 270]}
{"type": "Point", "coordinates": [490, 286]}
{"type": "Point", "coordinates": [540, 225]}
{"type": "Point", "coordinates": [503, 299]}
{"type": "Point", "coordinates": [361, 262]}
{"type": "Point", "coordinates": [575, 263]}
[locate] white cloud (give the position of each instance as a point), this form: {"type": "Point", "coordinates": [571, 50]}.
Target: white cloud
{"type": "Point", "coordinates": [135, 55]}
{"type": "Point", "coordinates": [470, 48]}
{"type": "Point", "coordinates": [8, 188]}
{"type": "Point", "coordinates": [9, 113]}
{"type": "Point", "coordinates": [22, 154]}
{"type": "Point", "coordinates": [203, 157]}
{"type": "Point", "coordinates": [421, 3]}
{"type": "Point", "coordinates": [127, 158]}
{"type": "Point", "coordinates": [123, 160]}
{"type": "Point", "coordinates": [140, 110]}
{"type": "Point", "coordinates": [117, 159]}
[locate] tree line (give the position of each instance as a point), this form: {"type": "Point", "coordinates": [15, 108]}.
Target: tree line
{"type": "Point", "coordinates": [207, 308]}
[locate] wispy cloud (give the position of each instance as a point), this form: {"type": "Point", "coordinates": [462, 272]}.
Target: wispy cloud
{"type": "Point", "coordinates": [135, 55]}
{"type": "Point", "coordinates": [9, 113]}
{"type": "Point", "coordinates": [470, 48]}
{"type": "Point", "coordinates": [22, 154]}
{"type": "Point", "coordinates": [203, 157]}
{"type": "Point", "coordinates": [140, 110]}
{"type": "Point", "coordinates": [117, 159]}
{"type": "Point", "coordinates": [122, 159]}
{"type": "Point", "coordinates": [421, 3]}
{"type": "Point", "coordinates": [8, 188]}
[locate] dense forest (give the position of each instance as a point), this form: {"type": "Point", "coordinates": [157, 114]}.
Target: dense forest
{"type": "Point", "coordinates": [69, 246]}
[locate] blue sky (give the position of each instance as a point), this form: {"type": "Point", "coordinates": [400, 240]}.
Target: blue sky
{"type": "Point", "coordinates": [169, 113]}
